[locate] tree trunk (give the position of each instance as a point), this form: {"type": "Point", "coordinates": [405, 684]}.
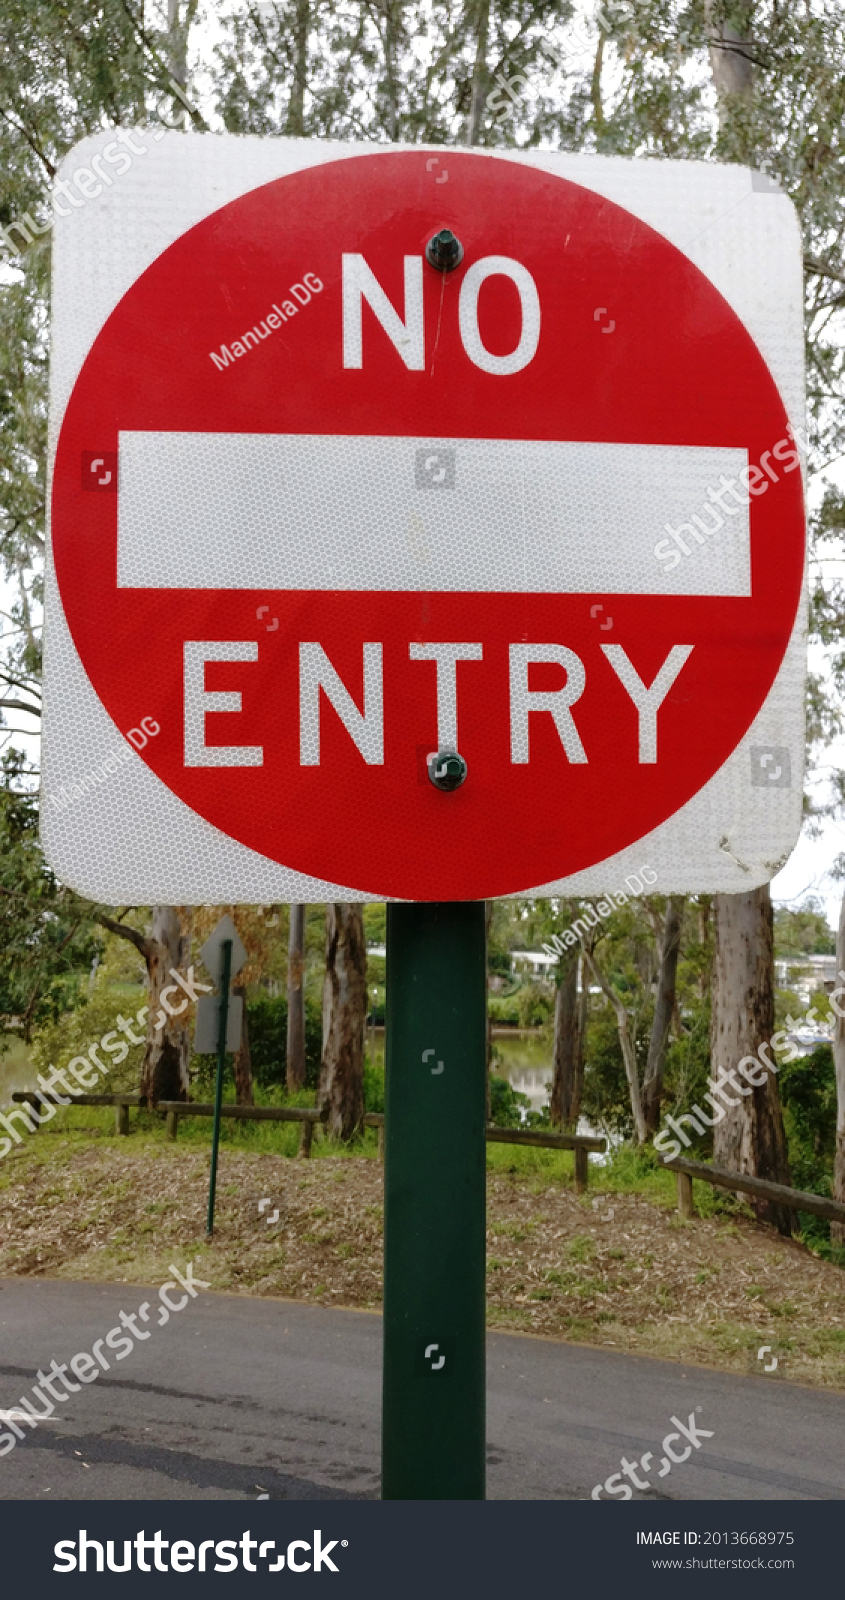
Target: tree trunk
{"type": "Point", "coordinates": [295, 1053]}
{"type": "Point", "coordinates": [626, 1043]}
{"type": "Point", "coordinates": [243, 1061]}
{"type": "Point", "coordinates": [837, 1229]}
{"type": "Point", "coordinates": [730, 56]}
{"type": "Point", "coordinates": [480, 71]}
{"type": "Point", "coordinates": [341, 1088]}
{"type": "Point", "coordinates": [568, 1052]}
{"type": "Point", "coordinates": [705, 939]}
{"type": "Point", "coordinates": [164, 1074]}
{"type": "Point", "coordinates": [664, 1007]}
{"type": "Point", "coordinates": [302, 22]}
{"type": "Point", "coordinates": [750, 1137]}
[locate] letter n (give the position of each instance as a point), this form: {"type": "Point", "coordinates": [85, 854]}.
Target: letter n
{"type": "Point", "coordinates": [408, 337]}
{"type": "Point", "coordinates": [366, 729]}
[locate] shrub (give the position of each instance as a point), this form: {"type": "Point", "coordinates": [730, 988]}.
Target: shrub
{"type": "Point", "coordinates": [506, 1104]}
{"type": "Point", "coordinates": [56, 1043]}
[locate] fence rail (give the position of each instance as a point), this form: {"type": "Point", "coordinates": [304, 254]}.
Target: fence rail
{"type": "Point", "coordinates": [307, 1116]}
{"type": "Point", "coordinates": [743, 1183]}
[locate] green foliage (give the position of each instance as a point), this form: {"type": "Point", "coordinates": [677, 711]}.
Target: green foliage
{"type": "Point", "coordinates": [45, 936]}
{"type": "Point", "coordinates": [375, 924]}
{"type": "Point", "coordinates": [687, 1071]}
{"type": "Point", "coordinates": [606, 1102]}
{"type": "Point", "coordinates": [808, 1092]}
{"type": "Point", "coordinates": [373, 1086]}
{"type": "Point", "coordinates": [503, 1009]}
{"type": "Point", "coordinates": [376, 972]}
{"type": "Point", "coordinates": [268, 1020]}
{"type": "Point", "coordinates": [535, 1005]}
{"type": "Point", "coordinates": [508, 1108]}
{"type": "Point", "coordinates": [805, 931]}
{"type": "Point", "coordinates": [58, 1042]}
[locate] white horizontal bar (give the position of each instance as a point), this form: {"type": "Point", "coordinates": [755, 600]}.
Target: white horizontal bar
{"type": "Point", "coordinates": [313, 512]}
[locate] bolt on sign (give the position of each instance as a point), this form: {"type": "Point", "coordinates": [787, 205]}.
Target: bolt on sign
{"type": "Point", "coordinates": [451, 531]}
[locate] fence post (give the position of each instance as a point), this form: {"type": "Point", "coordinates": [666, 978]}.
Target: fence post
{"type": "Point", "coordinates": [380, 1135]}
{"type": "Point", "coordinates": [306, 1133]}
{"type": "Point", "coordinates": [685, 1205]}
{"type": "Point", "coordinates": [171, 1124]}
{"type": "Point", "coordinates": [582, 1168]}
{"type": "Point", "coordinates": [121, 1119]}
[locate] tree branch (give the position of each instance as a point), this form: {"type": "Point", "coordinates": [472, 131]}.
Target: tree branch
{"type": "Point", "coordinates": [822, 268]}
{"type": "Point", "coordinates": [124, 932]}
{"type": "Point", "coordinates": [18, 705]}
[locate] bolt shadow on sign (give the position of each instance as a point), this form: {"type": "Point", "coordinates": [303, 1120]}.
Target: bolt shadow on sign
{"type": "Point", "coordinates": [397, 517]}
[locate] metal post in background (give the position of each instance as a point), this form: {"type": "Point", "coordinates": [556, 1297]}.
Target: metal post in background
{"type": "Point", "coordinates": [218, 1087]}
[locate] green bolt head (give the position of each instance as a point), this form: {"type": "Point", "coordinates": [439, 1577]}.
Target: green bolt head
{"type": "Point", "coordinates": [447, 770]}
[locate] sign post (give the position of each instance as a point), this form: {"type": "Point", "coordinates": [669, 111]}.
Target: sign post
{"type": "Point", "coordinates": [433, 1433]}
{"type": "Point", "coordinates": [219, 1025]}
{"type": "Point", "coordinates": [225, 978]}
{"type": "Point", "coordinates": [516, 607]}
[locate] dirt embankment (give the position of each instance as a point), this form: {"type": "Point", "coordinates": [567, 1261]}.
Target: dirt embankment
{"type": "Point", "coordinates": [617, 1270]}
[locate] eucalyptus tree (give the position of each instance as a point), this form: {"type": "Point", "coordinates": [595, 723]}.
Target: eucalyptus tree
{"type": "Point", "coordinates": [66, 70]}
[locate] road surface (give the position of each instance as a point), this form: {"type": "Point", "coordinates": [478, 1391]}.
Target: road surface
{"type": "Point", "coordinates": [239, 1397]}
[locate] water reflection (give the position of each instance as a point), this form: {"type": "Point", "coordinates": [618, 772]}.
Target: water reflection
{"type": "Point", "coordinates": [524, 1057]}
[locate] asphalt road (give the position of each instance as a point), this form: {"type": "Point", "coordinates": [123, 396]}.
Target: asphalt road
{"type": "Point", "coordinates": [237, 1397]}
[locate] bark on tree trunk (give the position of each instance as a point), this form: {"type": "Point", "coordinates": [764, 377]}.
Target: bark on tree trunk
{"type": "Point", "coordinates": [664, 1007]}
{"type": "Point", "coordinates": [296, 104]}
{"type": "Point", "coordinates": [164, 1074]}
{"type": "Point", "coordinates": [480, 73]}
{"type": "Point", "coordinates": [295, 1051]}
{"type": "Point", "coordinates": [341, 1087]}
{"type": "Point", "coordinates": [705, 939]}
{"type": "Point", "coordinates": [730, 55]}
{"type": "Point", "coordinates": [750, 1137]}
{"type": "Point", "coordinates": [837, 1229]}
{"type": "Point", "coordinates": [568, 1052]}
{"type": "Point", "coordinates": [243, 1060]}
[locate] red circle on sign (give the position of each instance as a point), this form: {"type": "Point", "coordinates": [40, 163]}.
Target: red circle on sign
{"type": "Point", "coordinates": [678, 368]}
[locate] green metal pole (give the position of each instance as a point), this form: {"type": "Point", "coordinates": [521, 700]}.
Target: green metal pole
{"type": "Point", "coordinates": [433, 1418]}
{"type": "Point", "coordinates": [218, 1087]}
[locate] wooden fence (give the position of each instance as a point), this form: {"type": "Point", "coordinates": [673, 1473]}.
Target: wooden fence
{"type": "Point", "coordinates": [582, 1144]}
{"type": "Point", "coordinates": [307, 1116]}
{"type": "Point", "coordinates": [743, 1183]}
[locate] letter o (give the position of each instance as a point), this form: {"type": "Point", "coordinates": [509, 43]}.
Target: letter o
{"type": "Point", "coordinates": [477, 274]}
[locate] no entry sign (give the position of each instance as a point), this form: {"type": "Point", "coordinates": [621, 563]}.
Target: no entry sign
{"type": "Point", "coordinates": [321, 510]}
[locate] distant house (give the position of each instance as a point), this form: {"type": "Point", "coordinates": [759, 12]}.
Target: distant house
{"type": "Point", "coordinates": [805, 975]}
{"type": "Point", "coordinates": [532, 963]}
